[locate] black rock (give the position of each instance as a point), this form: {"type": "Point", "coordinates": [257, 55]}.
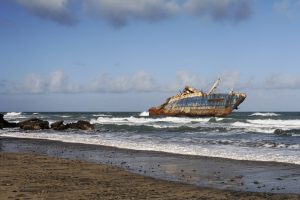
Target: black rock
{"type": "Point", "coordinates": [34, 124]}
{"type": "Point", "coordinates": [59, 126]}
{"type": "Point", "coordinates": [278, 132]}
{"type": "Point", "coordinates": [82, 125]}
{"type": "Point", "coordinates": [283, 132]}
{"type": "Point", "coordinates": [6, 124]}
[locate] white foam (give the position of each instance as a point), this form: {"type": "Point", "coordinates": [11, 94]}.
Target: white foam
{"type": "Point", "coordinates": [258, 128]}
{"type": "Point", "coordinates": [144, 114]}
{"type": "Point", "coordinates": [12, 114]}
{"type": "Point", "coordinates": [51, 121]}
{"type": "Point", "coordinates": [148, 121]}
{"type": "Point", "coordinates": [287, 155]}
{"type": "Point", "coordinates": [265, 114]}
{"type": "Point", "coordinates": [267, 125]}
{"type": "Point", "coordinates": [293, 123]}
{"type": "Point", "coordinates": [101, 115]}
{"type": "Point", "coordinates": [269, 145]}
{"type": "Point", "coordinates": [218, 119]}
{"type": "Point", "coordinates": [294, 146]}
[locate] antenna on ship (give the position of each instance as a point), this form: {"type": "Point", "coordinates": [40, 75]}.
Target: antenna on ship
{"type": "Point", "coordinates": [214, 87]}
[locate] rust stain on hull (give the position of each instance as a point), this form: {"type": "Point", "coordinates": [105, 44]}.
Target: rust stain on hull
{"type": "Point", "coordinates": [214, 112]}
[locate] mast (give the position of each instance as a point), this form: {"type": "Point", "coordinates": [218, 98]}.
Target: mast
{"type": "Point", "coordinates": [215, 85]}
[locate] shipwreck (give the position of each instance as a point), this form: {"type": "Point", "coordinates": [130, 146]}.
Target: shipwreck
{"type": "Point", "coordinates": [195, 103]}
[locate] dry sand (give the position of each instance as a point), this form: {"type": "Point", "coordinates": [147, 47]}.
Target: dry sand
{"type": "Point", "coordinates": [30, 176]}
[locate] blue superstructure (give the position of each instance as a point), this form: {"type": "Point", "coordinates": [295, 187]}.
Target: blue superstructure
{"type": "Point", "coordinates": [213, 100]}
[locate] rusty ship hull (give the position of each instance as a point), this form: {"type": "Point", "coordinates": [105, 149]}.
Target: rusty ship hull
{"type": "Point", "coordinates": [195, 103]}
{"type": "Point", "coordinates": [217, 105]}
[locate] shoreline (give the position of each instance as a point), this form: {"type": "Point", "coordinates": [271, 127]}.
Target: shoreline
{"type": "Point", "coordinates": [150, 151]}
{"type": "Point", "coordinates": [147, 151]}
{"type": "Point", "coordinates": [204, 172]}
{"type": "Point", "coordinates": [27, 175]}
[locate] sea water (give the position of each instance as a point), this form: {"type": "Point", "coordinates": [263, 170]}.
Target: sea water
{"type": "Point", "coordinates": [255, 136]}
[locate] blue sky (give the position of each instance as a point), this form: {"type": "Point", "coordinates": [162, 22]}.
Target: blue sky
{"type": "Point", "coordinates": [129, 55]}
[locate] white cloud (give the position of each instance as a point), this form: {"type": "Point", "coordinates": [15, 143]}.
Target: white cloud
{"type": "Point", "coordinates": [287, 8]}
{"type": "Point", "coordinates": [55, 10]}
{"type": "Point", "coordinates": [56, 82]}
{"type": "Point", "coordinates": [183, 79]}
{"type": "Point", "coordinates": [59, 82]}
{"type": "Point", "coordinates": [229, 80]}
{"type": "Point", "coordinates": [282, 81]}
{"type": "Point", "coordinates": [219, 10]}
{"type": "Point", "coordinates": [32, 83]}
{"type": "Point", "coordinates": [3, 83]}
{"type": "Point", "coordinates": [139, 82]}
{"type": "Point", "coordinates": [232, 80]}
{"type": "Point", "coordinates": [119, 12]}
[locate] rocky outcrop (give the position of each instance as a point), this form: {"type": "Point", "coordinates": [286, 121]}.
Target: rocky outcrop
{"type": "Point", "coordinates": [59, 126]}
{"type": "Point", "coordinates": [82, 125]}
{"type": "Point", "coordinates": [38, 124]}
{"type": "Point", "coordinates": [34, 124]}
{"type": "Point", "coordinates": [6, 124]}
{"type": "Point", "coordinates": [285, 132]}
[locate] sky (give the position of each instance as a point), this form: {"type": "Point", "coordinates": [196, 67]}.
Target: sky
{"type": "Point", "coordinates": [130, 55]}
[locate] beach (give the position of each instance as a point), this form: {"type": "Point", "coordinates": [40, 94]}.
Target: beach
{"type": "Point", "coordinates": [150, 99]}
{"type": "Point", "coordinates": [41, 169]}
{"type": "Point", "coordinates": [30, 176]}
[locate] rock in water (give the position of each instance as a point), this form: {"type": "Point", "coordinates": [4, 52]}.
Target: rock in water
{"type": "Point", "coordinates": [38, 124]}
{"type": "Point", "coordinates": [34, 124]}
{"type": "Point", "coordinates": [6, 124]}
{"type": "Point", "coordinates": [283, 132]}
{"type": "Point", "coordinates": [278, 132]}
{"type": "Point", "coordinates": [59, 125]}
{"type": "Point", "coordinates": [82, 125]}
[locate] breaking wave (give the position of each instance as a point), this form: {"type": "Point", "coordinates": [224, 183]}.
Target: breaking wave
{"type": "Point", "coordinates": [168, 121]}
{"type": "Point", "coordinates": [12, 114]}
{"type": "Point", "coordinates": [239, 136]}
{"type": "Point", "coordinates": [276, 123]}
{"type": "Point", "coordinates": [200, 124]}
{"type": "Point", "coordinates": [144, 114]}
{"type": "Point", "coordinates": [270, 126]}
{"type": "Point", "coordinates": [101, 115]}
{"type": "Point", "coordinates": [208, 124]}
{"type": "Point", "coordinates": [278, 152]}
{"type": "Point", "coordinates": [265, 114]}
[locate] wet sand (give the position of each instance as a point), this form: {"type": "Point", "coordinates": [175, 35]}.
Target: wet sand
{"type": "Point", "coordinates": [135, 174]}
{"type": "Point", "coordinates": [30, 176]}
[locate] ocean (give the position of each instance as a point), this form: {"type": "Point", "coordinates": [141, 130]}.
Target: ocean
{"type": "Point", "coordinates": [255, 136]}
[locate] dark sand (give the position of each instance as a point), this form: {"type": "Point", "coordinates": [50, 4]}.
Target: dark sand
{"type": "Point", "coordinates": [26, 174]}
{"type": "Point", "coordinates": [30, 176]}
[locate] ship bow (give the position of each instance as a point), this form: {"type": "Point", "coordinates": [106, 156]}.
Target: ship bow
{"type": "Point", "coordinates": [240, 98]}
